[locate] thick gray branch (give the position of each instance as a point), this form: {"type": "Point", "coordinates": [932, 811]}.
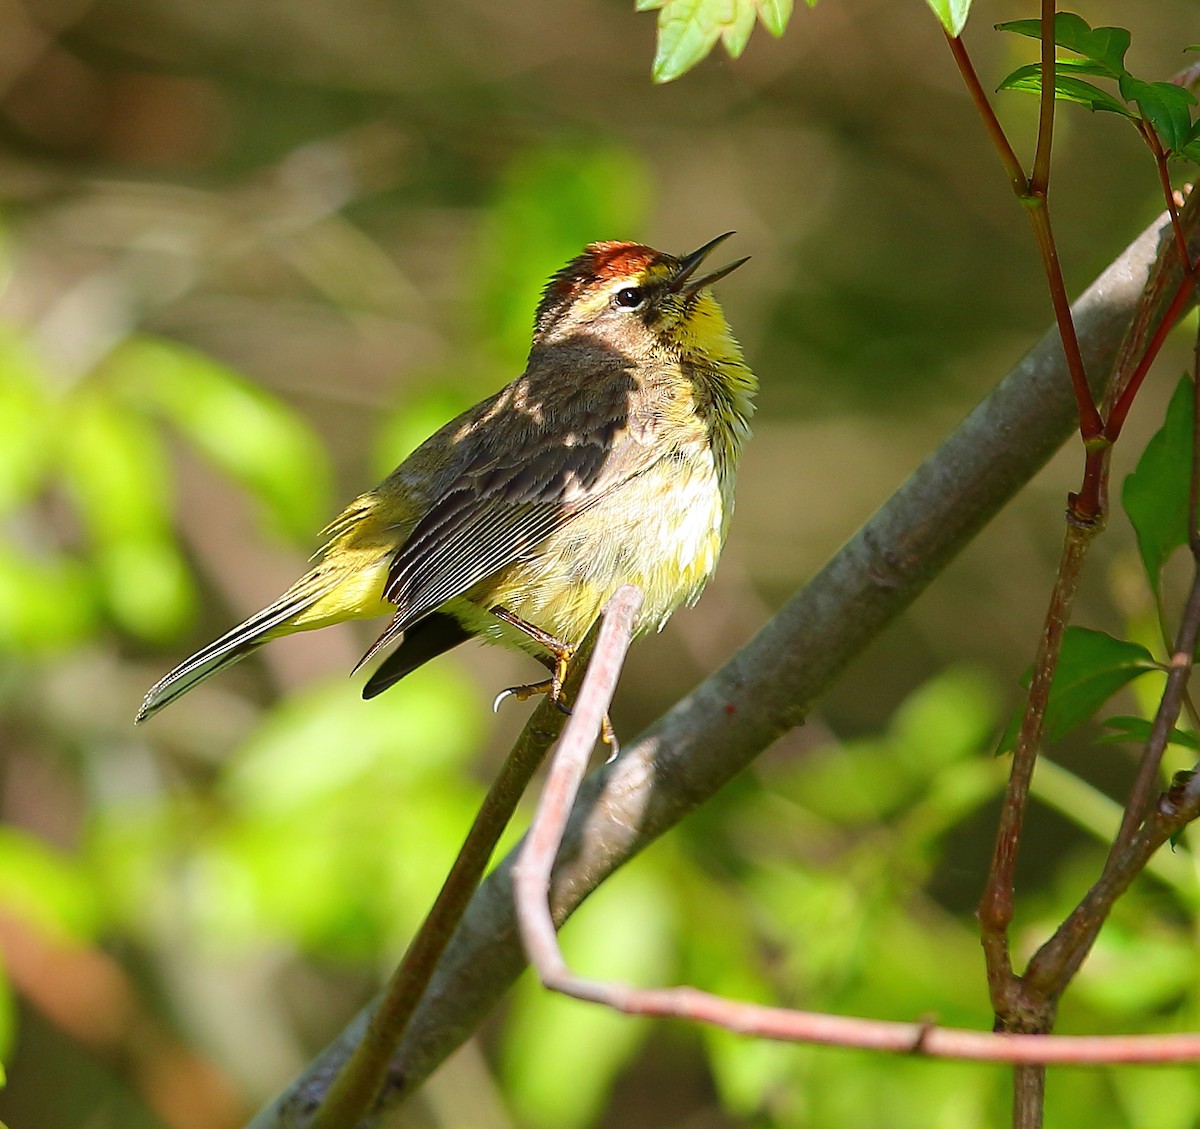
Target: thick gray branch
{"type": "Point", "coordinates": [768, 686]}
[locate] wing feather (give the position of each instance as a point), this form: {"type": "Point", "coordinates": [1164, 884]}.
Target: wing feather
{"type": "Point", "coordinates": [550, 447]}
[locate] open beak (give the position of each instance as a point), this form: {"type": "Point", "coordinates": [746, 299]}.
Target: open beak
{"type": "Point", "coordinates": [683, 283]}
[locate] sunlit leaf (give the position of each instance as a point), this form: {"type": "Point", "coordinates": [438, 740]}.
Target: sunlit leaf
{"type": "Point", "coordinates": [687, 32]}
{"type": "Point", "coordinates": [147, 584]}
{"type": "Point", "coordinates": [775, 14]}
{"type": "Point", "coordinates": [1106, 46]}
{"type": "Point", "coordinates": [314, 743]}
{"type": "Point", "coordinates": [1155, 495]}
{"type": "Point", "coordinates": [311, 847]}
{"type": "Point", "coordinates": [1128, 974]}
{"type": "Point", "coordinates": [735, 34]}
{"type": "Point", "coordinates": [1165, 106]}
{"type": "Point", "coordinates": [1092, 667]}
{"type": "Point", "coordinates": [952, 14]}
{"type": "Point", "coordinates": [253, 437]}
{"type": "Point", "coordinates": [1067, 88]}
{"type": "Point", "coordinates": [689, 29]}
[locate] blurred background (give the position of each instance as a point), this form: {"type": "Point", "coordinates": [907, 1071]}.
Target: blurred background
{"type": "Point", "coordinates": [252, 254]}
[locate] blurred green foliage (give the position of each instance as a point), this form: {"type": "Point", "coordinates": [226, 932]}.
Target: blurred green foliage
{"type": "Point", "coordinates": [241, 283]}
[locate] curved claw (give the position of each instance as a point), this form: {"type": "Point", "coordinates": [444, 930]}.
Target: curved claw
{"type": "Point", "coordinates": [524, 693]}
{"type": "Point", "coordinates": [499, 698]}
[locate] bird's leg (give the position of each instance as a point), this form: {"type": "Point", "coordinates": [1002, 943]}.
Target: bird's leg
{"type": "Point", "coordinates": [560, 654]}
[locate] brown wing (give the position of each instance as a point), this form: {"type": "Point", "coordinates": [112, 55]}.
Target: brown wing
{"type": "Point", "coordinates": [544, 451]}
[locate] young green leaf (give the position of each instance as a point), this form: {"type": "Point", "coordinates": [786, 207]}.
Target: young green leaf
{"type": "Point", "coordinates": [1105, 46]}
{"type": "Point", "coordinates": [774, 14]}
{"type": "Point", "coordinates": [1067, 88]}
{"type": "Point", "coordinates": [735, 34]}
{"type": "Point", "coordinates": [689, 29]}
{"type": "Point", "coordinates": [687, 32]}
{"type": "Point", "coordinates": [1092, 667]}
{"type": "Point", "coordinates": [1165, 106]}
{"type": "Point", "coordinates": [952, 13]}
{"type": "Point", "coordinates": [1155, 495]}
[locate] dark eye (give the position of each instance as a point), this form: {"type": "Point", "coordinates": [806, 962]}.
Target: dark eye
{"type": "Point", "coordinates": [630, 297]}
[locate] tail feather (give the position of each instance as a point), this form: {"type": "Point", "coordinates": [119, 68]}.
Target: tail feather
{"type": "Point", "coordinates": [425, 640]}
{"type": "Point", "coordinates": [223, 652]}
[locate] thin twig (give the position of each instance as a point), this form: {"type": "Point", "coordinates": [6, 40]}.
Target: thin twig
{"type": "Point", "coordinates": [995, 131]}
{"type": "Point", "coordinates": [996, 905]}
{"type": "Point", "coordinates": [356, 1085]}
{"type": "Point", "coordinates": [532, 870]}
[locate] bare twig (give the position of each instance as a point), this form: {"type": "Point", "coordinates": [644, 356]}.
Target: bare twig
{"type": "Point", "coordinates": [1014, 1010]}
{"type": "Point", "coordinates": [531, 872]}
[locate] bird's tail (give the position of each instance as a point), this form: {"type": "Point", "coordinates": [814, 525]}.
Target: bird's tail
{"type": "Point", "coordinates": [230, 648]}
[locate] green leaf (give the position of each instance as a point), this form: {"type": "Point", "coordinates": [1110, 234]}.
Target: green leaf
{"type": "Point", "coordinates": [1155, 495]}
{"type": "Point", "coordinates": [1092, 667]}
{"type": "Point", "coordinates": [687, 32]}
{"type": "Point", "coordinates": [1165, 106]}
{"type": "Point", "coordinates": [1105, 46]}
{"type": "Point", "coordinates": [689, 29]}
{"type": "Point", "coordinates": [1137, 730]}
{"type": "Point", "coordinates": [310, 847]}
{"type": "Point", "coordinates": [736, 33]}
{"type": "Point", "coordinates": [249, 434]}
{"type": "Point", "coordinates": [775, 14]}
{"type": "Point", "coordinates": [1067, 87]}
{"type": "Point", "coordinates": [952, 14]}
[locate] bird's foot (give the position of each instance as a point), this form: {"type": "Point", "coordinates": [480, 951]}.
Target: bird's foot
{"type": "Point", "coordinates": [559, 657]}
{"type": "Point", "coordinates": [524, 693]}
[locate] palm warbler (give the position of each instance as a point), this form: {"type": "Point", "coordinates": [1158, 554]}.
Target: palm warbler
{"type": "Point", "coordinates": [609, 461]}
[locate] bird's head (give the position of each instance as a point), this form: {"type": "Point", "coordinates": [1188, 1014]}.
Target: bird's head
{"type": "Point", "coordinates": [635, 298]}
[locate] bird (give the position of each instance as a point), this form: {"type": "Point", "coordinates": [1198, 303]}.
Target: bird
{"type": "Point", "coordinates": [610, 460]}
